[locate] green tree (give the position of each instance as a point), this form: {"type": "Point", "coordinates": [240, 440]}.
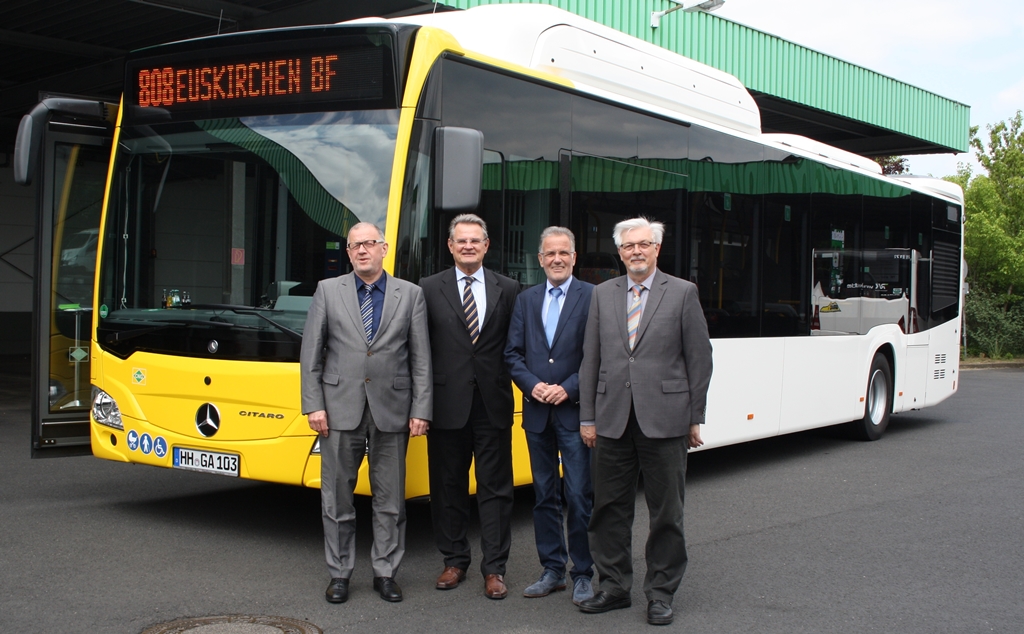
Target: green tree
{"type": "Point", "coordinates": [893, 165]}
{"type": "Point", "coordinates": [1003, 159]}
{"type": "Point", "coordinates": [994, 238]}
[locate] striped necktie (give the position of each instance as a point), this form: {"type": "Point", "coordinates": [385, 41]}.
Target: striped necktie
{"type": "Point", "coordinates": [366, 311]}
{"type": "Point", "coordinates": [469, 306]}
{"type": "Point", "coordinates": [633, 316]}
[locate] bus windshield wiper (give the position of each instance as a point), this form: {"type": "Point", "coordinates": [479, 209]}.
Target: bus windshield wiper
{"type": "Point", "coordinates": [124, 335]}
{"type": "Point", "coordinates": [248, 310]}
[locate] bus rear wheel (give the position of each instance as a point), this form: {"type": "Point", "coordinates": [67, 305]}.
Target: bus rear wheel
{"type": "Point", "coordinates": [878, 402]}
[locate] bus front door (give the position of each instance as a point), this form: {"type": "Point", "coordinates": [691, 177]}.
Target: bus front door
{"type": "Point", "coordinates": [63, 149]}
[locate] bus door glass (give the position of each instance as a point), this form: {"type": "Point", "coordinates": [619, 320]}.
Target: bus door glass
{"type": "Point", "coordinates": [73, 169]}
{"type": "Point", "coordinates": [854, 290]}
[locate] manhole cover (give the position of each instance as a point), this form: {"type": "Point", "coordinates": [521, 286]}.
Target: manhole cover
{"type": "Point", "coordinates": [235, 624]}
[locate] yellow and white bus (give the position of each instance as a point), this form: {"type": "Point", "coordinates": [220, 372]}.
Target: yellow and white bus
{"type": "Point", "coordinates": [832, 292]}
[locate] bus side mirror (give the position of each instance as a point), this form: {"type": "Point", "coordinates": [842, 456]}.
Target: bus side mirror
{"type": "Point", "coordinates": [33, 125]}
{"type": "Point", "coordinates": [458, 169]}
{"type": "Point", "coordinates": [26, 147]}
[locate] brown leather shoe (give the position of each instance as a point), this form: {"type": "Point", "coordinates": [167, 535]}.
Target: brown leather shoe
{"type": "Point", "coordinates": [494, 587]}
{"type": "Point", "coordinates": [450, 578]}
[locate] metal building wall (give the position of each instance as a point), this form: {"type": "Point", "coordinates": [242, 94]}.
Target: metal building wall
{"type": "Point", "coordinates": [768, 64]}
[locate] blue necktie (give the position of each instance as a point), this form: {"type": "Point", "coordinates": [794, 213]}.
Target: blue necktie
{"type": "Point", "coordinates": [551, 323]}
{"type": "Point", "coordinates": [366, 311]}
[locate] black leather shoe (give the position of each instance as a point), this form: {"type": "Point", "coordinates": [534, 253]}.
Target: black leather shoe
{"type": "Point", "coordinates": [337, 592]}
{"type": "Point", "coordinates": [659, 613]}
{"type": "Point", "coordinates": [603, 602]}
{"type": "Point", "coordinates": [388, 589]}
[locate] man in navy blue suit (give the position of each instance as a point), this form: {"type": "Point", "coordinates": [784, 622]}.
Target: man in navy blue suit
{"type": "Point", "coordinates": [544, 351]}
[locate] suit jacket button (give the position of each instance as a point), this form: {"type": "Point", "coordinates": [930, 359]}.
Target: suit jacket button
{"type": "Point", "coordinates": [370, 354]}
{"type": "Point", "coordinates": [551, 360]}
{"type": "Point", "coordinates": [627, 382]}
{"type": "Point", "coordinates": [631, 359]}
{"type": "Point", "coordinates": [368, 380]}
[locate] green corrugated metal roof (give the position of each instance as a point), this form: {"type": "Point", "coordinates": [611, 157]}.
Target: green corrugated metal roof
{"type": "Point", "coordinates": [784, 70]}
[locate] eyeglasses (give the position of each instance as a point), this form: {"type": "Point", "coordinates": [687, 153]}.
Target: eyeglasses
{"type": "Point", "coordinates": [550, 255]}
{"type": "Point", "coordinates": [630, 246]}
{"type": "Point", "coordinates": [462, 242]}
{"type": "Point", "coordinates": [369, 244]}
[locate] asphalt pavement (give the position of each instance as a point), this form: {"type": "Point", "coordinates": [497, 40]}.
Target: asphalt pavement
{"type": "Point", "coordinates": [918, 532]}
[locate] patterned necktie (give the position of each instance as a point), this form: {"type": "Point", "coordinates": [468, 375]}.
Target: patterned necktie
{"type": "Point", "coordinates": [469, 306]}
{"type": "Point", "coordinates": [551, 323]}
{"type": "Point", "coordinates": [633, 316]}
{"type": "Point", "coordinates": [366, 311]}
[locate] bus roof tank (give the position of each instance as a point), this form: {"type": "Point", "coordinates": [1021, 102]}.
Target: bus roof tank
{"type": "Point", "coordinates": [599, 60]}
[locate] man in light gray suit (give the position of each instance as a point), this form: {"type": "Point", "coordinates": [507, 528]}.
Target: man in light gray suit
{"type": "Point", "coordinates": [643, 390]}
{"type": "Point", "coordinates": [366, 387]}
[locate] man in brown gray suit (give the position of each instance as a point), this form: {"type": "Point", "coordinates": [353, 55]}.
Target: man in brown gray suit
{"type": "Point", "coordinates": [643, 390]}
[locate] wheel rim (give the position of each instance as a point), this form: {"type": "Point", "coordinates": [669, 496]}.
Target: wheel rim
{"type": "Point", "coordinates": [877, 398]}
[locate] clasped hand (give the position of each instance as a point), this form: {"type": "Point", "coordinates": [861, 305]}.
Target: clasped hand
{"type": "Point", "coordinates": [550, 394]}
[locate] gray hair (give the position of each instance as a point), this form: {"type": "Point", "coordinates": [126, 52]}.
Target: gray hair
{"type": "Point", "coordinates": [556, 231]}
{"type": "Point", "coordinates": [359, 225]}
{"type": "Point", "coordinates": [466, 219]}
{"type": "Point", "coordinates": [624, 227]}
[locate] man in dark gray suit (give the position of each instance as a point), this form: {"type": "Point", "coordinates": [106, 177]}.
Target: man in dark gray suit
{"type": "Point", "coordinates": [643, 390]}
{"type": "Point", "coordinates": [366, 387]}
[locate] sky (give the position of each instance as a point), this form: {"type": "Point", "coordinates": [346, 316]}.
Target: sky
{"type": "Point", "coordinates": [970, 52]}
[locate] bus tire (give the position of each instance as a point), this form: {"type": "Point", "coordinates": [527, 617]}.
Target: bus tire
{"type": "Point", "coordinates": [877, 402]}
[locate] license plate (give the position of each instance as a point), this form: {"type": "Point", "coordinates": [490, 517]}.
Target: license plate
{"type": "Point", "coordinates": [207, 461]}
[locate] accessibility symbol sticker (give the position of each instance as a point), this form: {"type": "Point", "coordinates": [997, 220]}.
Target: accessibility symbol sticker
{"type": "Point", "coordinates": [133, 439]}
{"type": "Point", "coordinates": [146, 443]}
{"type": "Point", "coordinates": [159, 447]}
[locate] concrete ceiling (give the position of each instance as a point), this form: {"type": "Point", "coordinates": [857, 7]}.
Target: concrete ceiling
{"type": "Point", "coordinates": [77, 47]}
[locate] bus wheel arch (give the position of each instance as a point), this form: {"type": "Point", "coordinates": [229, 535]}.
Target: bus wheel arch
{"type": "Point", "coordinates": [878, 399]}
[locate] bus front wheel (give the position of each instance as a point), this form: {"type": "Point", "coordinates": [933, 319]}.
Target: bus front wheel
{"type": "Point", "coordinates": [878, 402]}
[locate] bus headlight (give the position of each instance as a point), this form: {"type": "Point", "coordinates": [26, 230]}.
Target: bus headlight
{"type": "Point", "coordinates": [105, 410]}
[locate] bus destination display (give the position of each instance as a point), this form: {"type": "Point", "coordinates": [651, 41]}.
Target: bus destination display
{"type": "Point", "coordinates": [222, 83]}
{"type": "Point", "coordinates": [264, 79]}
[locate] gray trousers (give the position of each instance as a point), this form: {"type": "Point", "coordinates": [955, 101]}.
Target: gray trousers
{"type": "Point", "coordinates": [617, 462]}
{"type": "Point", "coordinates": [341, 455]}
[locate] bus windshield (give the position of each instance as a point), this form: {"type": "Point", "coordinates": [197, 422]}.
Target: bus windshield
{"type": "Point", "coordinates": [218, 230]}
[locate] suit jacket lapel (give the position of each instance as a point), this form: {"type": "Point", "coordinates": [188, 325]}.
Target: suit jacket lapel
{"type": "Point", "coordinates": [392, 298]}
{"type": "Point", "coordinates": [451, 291]}
{"type": "Point", "coordinates": [450, 288]}
{"type": "Point", "coordinates": [347, 286]}
{"type": "Point", "coordinates": [493, 293]}
{"type": "Point", "coordinates": [654, 296]}
{"type": "Point", "coordinates": [572, 298]}
{"type": "Point", "coordinates": [534, 307]}
{"type": "Point", "coordinates": [621, 308]}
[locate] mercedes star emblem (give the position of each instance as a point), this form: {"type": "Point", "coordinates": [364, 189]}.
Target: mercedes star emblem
{"type": "Point", "coordinates": [207, 419]}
